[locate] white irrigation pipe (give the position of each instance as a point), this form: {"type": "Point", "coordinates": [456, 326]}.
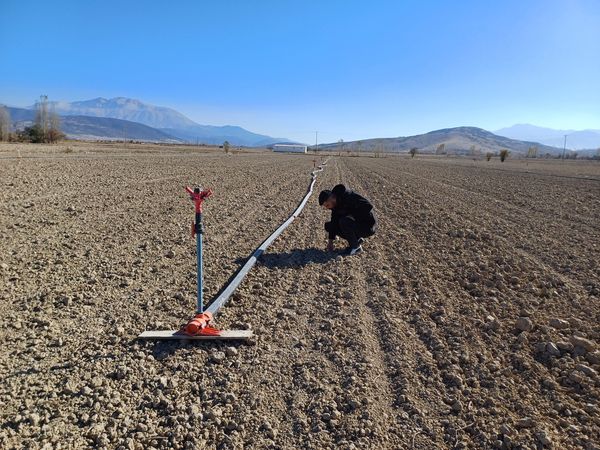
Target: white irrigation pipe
{"type": "Point", "coordinates": [218, 302]}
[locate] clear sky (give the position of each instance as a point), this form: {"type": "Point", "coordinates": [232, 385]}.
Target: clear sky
{"type": "Point", "coordinates": [350, 69]}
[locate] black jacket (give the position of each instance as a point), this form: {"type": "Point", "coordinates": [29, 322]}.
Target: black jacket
{"type": "Point", "coordinates": [349, 203]}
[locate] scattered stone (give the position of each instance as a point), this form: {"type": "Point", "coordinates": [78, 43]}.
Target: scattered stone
{"type": "Point", "coordinates": [526, 422]}
{"type": "Point", "coordinates": [523, 324]}
{"type": "Point", "coordinates": [492, 323]}
{"type": "Point", "coordinates": [195, 412]}
{"type": "Point", "coordinates": [544, 439]}
{"type": "Point", "coordinates": [576, 377]}
{"type": "Point", "coordinates": [170, 254]}
{"type": "Point", "coordinates": [584, 343]}
{"type": "Point", "coordinates": [565, 346]}
{"type": "Point", "coordinates": [587, 370]}
{"type": "Point", "coordinates": [86, 390]}
{"type": "Point", "coordinates": [217, 357]}
{"type": "Point", "coordinates": [559, 324]}
{"type": "Point", "coordinates": [549, 383]}
{"type": "Point", "coordinates": [34, 419]}
{"type": "Point", "coordinates": [269, 431]}
{"type": "Point", "coordinates": [552, 349]}
{"type": "Point", "coordinates": [326, 279]}
{"type": "Point", "coordinates": [575, 323]}
{"type": "Point", "coordinates": [231, 351]}
{"type": "Point", "coordinates": [593, 358]}
{"type": "Point", "coordinates": [540, 347]}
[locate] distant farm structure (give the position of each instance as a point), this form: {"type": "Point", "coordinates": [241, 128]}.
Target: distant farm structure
{"type": "Point", "coordinates": [289, 148]}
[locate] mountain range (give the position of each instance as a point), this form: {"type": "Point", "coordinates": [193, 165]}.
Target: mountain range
{"type": "Point", "coordinates": [124, 118]}
{"type": "Point", "coordinates": [154, 123]}
{"type": "Point", "coordinates": [458, 140]}
{"type": "Point", "coordinates": [576, 139]}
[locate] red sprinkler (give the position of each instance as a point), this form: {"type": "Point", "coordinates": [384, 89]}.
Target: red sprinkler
{"type": "Point", "coordinates": [199, 325]}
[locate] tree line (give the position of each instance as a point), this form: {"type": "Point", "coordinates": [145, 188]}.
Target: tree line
{"type": "Point", "coordinates": [45, 127]}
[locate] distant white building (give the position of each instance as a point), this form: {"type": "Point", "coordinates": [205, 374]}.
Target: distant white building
{"type": "Point", "coordinates": [289, 148]}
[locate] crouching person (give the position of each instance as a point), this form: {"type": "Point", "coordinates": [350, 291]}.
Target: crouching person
{"type": "Point", "coordinates": [352, 218]}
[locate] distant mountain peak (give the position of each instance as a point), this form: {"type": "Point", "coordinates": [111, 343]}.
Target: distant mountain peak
{"type": "Point", "coordinates": [164, 119]}
{"type": "Point", "coordinates": [576, 139]}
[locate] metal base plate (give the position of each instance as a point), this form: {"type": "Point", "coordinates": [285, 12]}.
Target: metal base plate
{"type": "Point", "coordinates": [226, 335]}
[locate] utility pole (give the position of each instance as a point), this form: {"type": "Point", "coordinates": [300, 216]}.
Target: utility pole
{"type": "Point", "coordinates": [316, 141]}
{"type": "Point", "coordinates": [564, 147]}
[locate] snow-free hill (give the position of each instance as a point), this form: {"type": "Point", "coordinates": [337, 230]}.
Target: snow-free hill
{"type": "Point", "coordinates": [457, 140]}
{"type": "Point", "coordinates": [100, 128]}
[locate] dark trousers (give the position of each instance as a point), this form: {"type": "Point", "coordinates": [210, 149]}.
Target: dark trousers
{"type": "Point", "coordinates": [348, 228]}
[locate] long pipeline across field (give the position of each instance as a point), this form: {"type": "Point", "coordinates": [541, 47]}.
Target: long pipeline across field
{"type": "Point", "coordinates": [226, 293]}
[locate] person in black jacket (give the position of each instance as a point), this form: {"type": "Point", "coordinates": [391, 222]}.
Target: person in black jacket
{"type": "Point", "coordinates": [352, 217]}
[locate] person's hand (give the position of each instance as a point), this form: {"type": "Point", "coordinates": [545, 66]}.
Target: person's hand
{"type": "Point", "coordinates": [330, 245]}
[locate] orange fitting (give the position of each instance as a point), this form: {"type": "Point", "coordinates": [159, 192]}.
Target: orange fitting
{"type": "Point", "coordinates": [198, 323]}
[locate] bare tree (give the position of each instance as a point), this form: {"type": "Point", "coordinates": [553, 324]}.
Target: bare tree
{"type": "Point", "coordinates": [532, 152]}
{"type": "Point", "coordinates": [42, 119]}
{"type": "Point", "coordinates": [4, 124]}
{"type": "Point", "coordinates": [226, 147]}
{"type": "Point", "coordinates": [489, 155]}
{"type": "Point", "coordinates": [54, 134]}
{"type": "Point", "coordinates": [413, 152]}
{"type": "Point", "coordinates": [504, 154]}
{"type": "Point", "coordinates": [474, 152]}
{"type": "Point", "coordinates": [46, 127]}
{"type": "Point", "coordinates": [441, 149]}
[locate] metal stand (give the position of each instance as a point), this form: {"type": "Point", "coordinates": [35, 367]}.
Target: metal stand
{"type": "Point", "coordinates": [199, 327]}
{"type": "Point", "coordinates": [199, 232]}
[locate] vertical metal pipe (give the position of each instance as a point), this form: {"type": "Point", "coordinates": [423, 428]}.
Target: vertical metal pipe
{"type": "Point", "coordinates": [200, 302]}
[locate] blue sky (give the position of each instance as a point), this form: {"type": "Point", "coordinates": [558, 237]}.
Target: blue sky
{"type": "Point", "coordinates": [350, 69]}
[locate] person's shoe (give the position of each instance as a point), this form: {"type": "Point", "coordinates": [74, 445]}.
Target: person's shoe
{"type": "Point", "coordinates": [352, 251]}
{"type": "Point", "coordinates": [360, 241]}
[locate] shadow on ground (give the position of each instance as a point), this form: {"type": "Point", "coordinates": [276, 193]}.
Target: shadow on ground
{"type": "Point", "coordinates": [297, 257]}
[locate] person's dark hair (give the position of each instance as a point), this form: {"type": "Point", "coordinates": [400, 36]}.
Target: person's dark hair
{"type": "Point", "coordinates": [324, 195]}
